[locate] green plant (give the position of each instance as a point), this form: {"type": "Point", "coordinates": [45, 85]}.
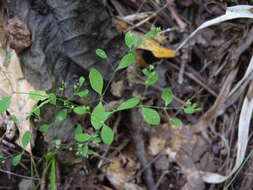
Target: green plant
{"type": "Point", "coordinates": [50, 165]}
{"type": "Point", "coordinates": [25, 141]}
{"type": "Point", "coordinates": [98, 115]}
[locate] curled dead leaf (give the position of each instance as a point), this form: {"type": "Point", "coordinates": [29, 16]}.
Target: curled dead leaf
{"type": "Point", "coordinates": [157, 49]}
{"type": "Point", "coordinates": [18, 34]}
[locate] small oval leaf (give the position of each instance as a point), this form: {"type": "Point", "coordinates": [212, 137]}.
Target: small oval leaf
{"type": "Point", "coordinates": [175, 121]}
{"type": "Point", "coordinates": [96, 81]}
{"type": "Point", "coordinates": [16, 159]}
{"type": "Point", "coordinates": [83, 93]}
{"type": "Point", "coordinates": [131, 103]}
{"type": "Point", "coordinates": [107, 135]}
{"type": "Point", "coordinates": [4, 104]}
{"type": "Point", "coordinates": [81, 81]}
{"type": "Point", "coordinates": [189, 110]}
{"type": "Point", "coordinates": [127, 60]}
{"type": "Point", "coordinates": [52, 99]}
{"type": "Point", "coordinates": [167, 96]}
{"type": "Point", "coordinates": [82, 137]}
{"type": "Point", "coordinates": [38, 95]}
{"type": "Point", "coordinates": [26, 138]}
{"type": "Point", "coordinates": [152, 78]}
{"type": "Point", "coordinates": [78, 129]}
{"type": "Point", "coordinates": [151, 116]}
{"type": "Point", "coordinates": [61, 115]}
{"type": "Point", "coordinates": [99, 116]}
{"type": "Point", "coordinates": [130, 39]}
{"type": "Point", "coordinates": [153, 31]}
{"type": "Point", "coordinates": [101, 53]}
{"type": "Point", "coordinates": [44, 128]}
{"type": "Point", "coordinates": [80, 110]}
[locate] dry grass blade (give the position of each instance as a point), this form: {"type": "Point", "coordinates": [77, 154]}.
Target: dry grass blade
{"type": "Point", "coordinates": [217, 108]}
{"type": "Point", "coordinates": [240, 11]}
{"type": "Point", "coordinates": [243, 131]}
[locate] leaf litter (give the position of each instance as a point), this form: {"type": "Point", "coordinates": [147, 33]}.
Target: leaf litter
{"type": "Point", "coordinates": [213, 69]}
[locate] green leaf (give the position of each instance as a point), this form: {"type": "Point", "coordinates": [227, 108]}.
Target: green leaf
{"type": "Point", "coordinates": [133, 41]}
{"type": "Point", "coordinates": [38, 95]}
{"type": "Point", "coordinates": [44, 128]}
{"type": "Point", "coordinates": [26, 138]}
{"type": "Point", "coordinates": [82, 137]}
{"type": "Point", "coordinates": [101, 53]}
{"type": "Point", "coordinates": [14, 118]}
{"type": "Point", "coordinates": [5, 103]}
{"type": "Point", "coordinates": [189, 110]}
{"type": "Point", "coordinates": [130, 39]}
{"type": "Point", "coordinates": [83, 93]}
{"type": "Point", "coordinates": [2, 159]}
{"type": "Point", "coordinates": [151, 116]}
{"type": "Point", "coordinates": [16, 159]}
{"type": "Point", "coordinates": [146, 72]}
{"type": "Point", "coordinates": [80, 110]}
{"type": "Point", "coordinates": [107, 135]}
{"type": "Point", "coordinates": [176, 121]}
{"type": "Point", "coordinates": [167, 96]}
{"type": "Point", "coordinates": [99, 116]}
{"type": "Point", "coordinates": [152, 78]}
{"type": "Point", "coordinates": [81, 81]}
{"type": "Point", "coordinates": [127, 60]}
{"type": "Point", "coordinates": [96, 140]}
{"type": "Point", "coordinates": [131, 103]}
{"type": "Point", "coordinates": [96, 81]}
{"type": "Point", "coordinates": [78, 129]}
{"type": "Point", "coordinates": [61, 115]}
{"type": "Point", "coordinates": [90, 152]}
{"type": "Point", "coordinates": [85, 151]}
{"type": "Point", "coordinates": [49, 156]}
{"type": "Point", "coordinates": [52, 98]}
{"type": "Point", "coordinates": [57, 143]}
{"type": "Point", "coordinates": [153, 31]}
{"type": "Point", "coordinates": [36, 110]}
{"type": "Point", "coordinates": [139, 42]}
{"type": "Point", "coordinates": [52, 177]}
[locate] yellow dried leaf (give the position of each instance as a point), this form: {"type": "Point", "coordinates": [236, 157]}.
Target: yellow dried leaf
{"type": "Point", "coordinates": [157, 49]}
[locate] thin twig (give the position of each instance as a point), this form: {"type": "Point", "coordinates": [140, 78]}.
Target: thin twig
{"type": "Point", "coordinates": [148, 18]}
{"type": "Point", "coordinates": [18, 175]}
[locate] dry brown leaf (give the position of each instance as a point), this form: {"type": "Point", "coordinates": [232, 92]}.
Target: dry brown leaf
{"type": "Point", "coordinates": [152, 45]}
{"type": "Point", "coordinates": [18, 34]}
{"type": "Point", "coordinates": [157, 49]}
{"type": "Point", "coordinates": [156, 145]}
{"type": "Point", "coordinates": [120, 176]}
{"type": "Point", "coordinates": [12, 80]}
{"type": "Point", "coordinates": [117, 88]}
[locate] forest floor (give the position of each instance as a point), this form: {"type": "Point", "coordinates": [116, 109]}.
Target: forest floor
{"type": "Point", "coordinates": [212, 70]}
